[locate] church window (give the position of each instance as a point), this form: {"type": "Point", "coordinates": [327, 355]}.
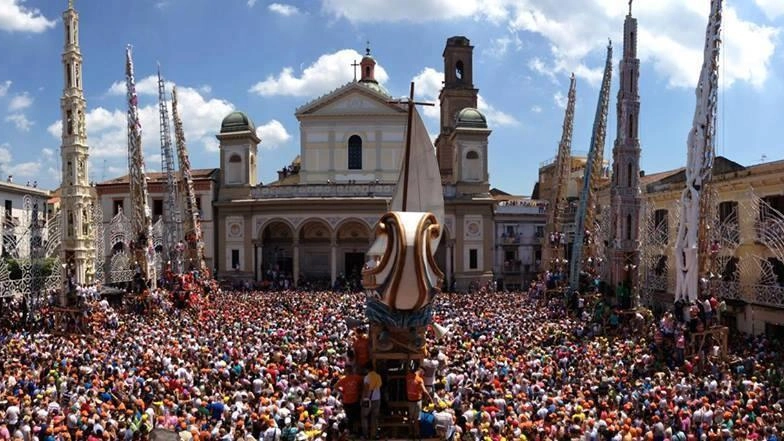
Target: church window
{"type": "Point", "coordinates": [68, 33]}
{"type": "Point", "coordinates": [367, 71]}
{"type": "Point", "coordinates": [473, 258]}
{"type": "Point", "coordinates": [355, 153]}
{"type": "Point", "coordinates": [629, 176]}
{"type": "Point", "coordinates": [77, 75]}
{"type": "Point", "coordinates": [459, 70]}
{"type": "Point", "coordinates": [234, 171]}
{"type": "Point", "coordinates": [69, 121]}
{"type": "Point", "coordinates": [70, 75]}
{"type": "Point", "coordinates": [235, 259]}
{"type": "Point", "coordinates": [631, 125]}
{"type": "Point", "coordinates": [628, 227]}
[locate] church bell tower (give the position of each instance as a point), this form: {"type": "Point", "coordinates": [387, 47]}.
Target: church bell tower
{"type": "Point", "coordinates": [457, 94]}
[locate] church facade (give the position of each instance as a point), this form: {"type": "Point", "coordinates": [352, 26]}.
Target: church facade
{"type": "Point", "coordinates": [316, 222]}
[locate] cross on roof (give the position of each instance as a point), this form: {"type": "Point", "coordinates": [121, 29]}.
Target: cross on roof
{"type": "Point", "coordinates": [355, 64]}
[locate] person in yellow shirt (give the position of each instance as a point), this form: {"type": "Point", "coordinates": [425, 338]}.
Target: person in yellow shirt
{"type": "Point", "coordinates": [371, 402]}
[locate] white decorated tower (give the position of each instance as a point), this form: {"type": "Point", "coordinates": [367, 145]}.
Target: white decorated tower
{"type": "Point", "coordinates": [625, 188]}
{"type": "Point", "coordinates": [78, 249]}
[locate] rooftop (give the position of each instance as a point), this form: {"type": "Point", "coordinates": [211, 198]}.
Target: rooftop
{"type": "Point", "coordinates": [197, 174]}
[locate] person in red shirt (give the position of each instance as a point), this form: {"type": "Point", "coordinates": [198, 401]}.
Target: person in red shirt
{"type": "Point", "coordinates": [361, 348]}
{"type": "Point", "coordinates": [415, 390]}
{"type": "Point", "coordinates": [350, 386]}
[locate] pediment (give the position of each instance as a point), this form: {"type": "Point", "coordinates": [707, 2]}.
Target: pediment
{"type": "Point", "coordinates": [353, 99]}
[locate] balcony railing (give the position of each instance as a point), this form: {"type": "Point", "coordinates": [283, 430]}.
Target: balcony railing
{"type": "Point", "coordinates": [769, 295]}
{"type": "Point", "coordinates": [727, 290]}
{"type": "Point", "coordinates": [323, 191]}
{"type": "Point", "coordinates": [511, 268]}
{"type": "Point", "coordinates": [333, 191]}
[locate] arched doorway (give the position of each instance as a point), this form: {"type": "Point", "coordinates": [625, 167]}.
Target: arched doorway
{"type": "Point", "coordinates": [277, 245]}
{"type": "Point", "coordinates": [312, 263]}
{"type": "Point", "coordinates": [352, 241]}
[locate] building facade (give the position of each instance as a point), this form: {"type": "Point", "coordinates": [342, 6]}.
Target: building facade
{"type": "Point", "coordinates": [746, 252]}
{"type": "Point", "coordinates": [519, 229]}
{"type": "Point", "coordinates": [114, 197]}
{"type": "Point", "coordinates": [24, 208]}
{"type": "Point", "coordinates": [316, 222]}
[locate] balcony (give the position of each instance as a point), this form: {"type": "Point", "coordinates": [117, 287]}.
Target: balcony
{"type": "Point", "coordinates": [726, 290]}
{"type": "Point", "coordinates": [323, 191]}
{"type": "Point", "coordinates": [768, 295]}
{"type": "Point", "coordinates": [521, 207]}
{"type": "Point", "coordinates": [511, 268]}
{"type": "Point", "coordinates": [371, 190]}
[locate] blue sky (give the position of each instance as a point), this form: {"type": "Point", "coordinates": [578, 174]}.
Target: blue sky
{"type": "Point", "coordinates": [267, 58]}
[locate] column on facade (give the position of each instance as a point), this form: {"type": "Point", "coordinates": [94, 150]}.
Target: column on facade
{"type": "Point", "coordinates": [259, 262]}
{"type": "Point", "coordinates": [333, 262]}
{"type": "Point", "coordinates": [499, 258]}
{"type": "Point", "coordinates": [295, 266]}
{"type": "Point", "coordinates": [520, 254]}
{"type": "Point", "coordinates": [449, 252]}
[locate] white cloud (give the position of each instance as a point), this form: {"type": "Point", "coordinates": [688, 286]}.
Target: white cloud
{"type": "Point", "coordinates": [494, 116]}
{"type": "Point", "coordinates": [20, 121]}
{"type": "Point", "coordinates": [560, 100]}
{"type": "Point", "coordinates": [773, 9]}
{"type": "Point", "coordinates": [536, 109]}
{"type": "Point", "coordinates": [283, 9]}
{"type": "Point", "coordinates": [205, 89]}
{"type": "Point", "coordinates": [413, 10]}
{"type": "Point", "coordinates": [251, 3]}
{"type": "Point", "coordinates": [500, 46]}
{"type": "Point", "coordinates": [428, 85]}
{"type": "Point", "coordinates": [48, 153]}
{"type": "Point", "coordinates": [328, 72]}
{"type": "Point", "coordinates": [21, 170]}
{"type": "Point", "coordinates": [671, 33]}
{"type": "Point", "coordinates": [106, 128]}
{"type": "Point", "coordinates": [145, 86]}
{"type": "Point", "coordinates": [20, 102]}
{"type": "Point", "coordinates": [4, 86]}
{"type": "Point", "coordinates": [272, 134]}
{"type": "Point", "coordinates": [16, 18]}
{"type": "Point", "coordinates": [671, 37]}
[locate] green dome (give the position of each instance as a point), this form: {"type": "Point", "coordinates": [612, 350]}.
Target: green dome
{"type": "Point", "coordinates": [470, 117]}
{"type": "Point", "coordinates": [237, 122]}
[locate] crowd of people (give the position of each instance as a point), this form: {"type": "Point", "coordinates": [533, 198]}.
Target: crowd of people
{"type": "Point", "coordinates": [287, 365]}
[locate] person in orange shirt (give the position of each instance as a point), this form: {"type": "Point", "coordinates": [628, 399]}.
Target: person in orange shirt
{"type": "Point", "coordinates": [361, 348]}
{"type": "Point", "coordinates": [350, 386]}
{"type": "Point", "coordinates": [415, 389]}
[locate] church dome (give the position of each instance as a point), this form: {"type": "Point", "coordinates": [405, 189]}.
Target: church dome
{"type": "Point", "coordinates": [237, 122]}
{"type": "Point", "coordinates": [471, 118]}
{"type": "Point", "coordinates": [373, 85]}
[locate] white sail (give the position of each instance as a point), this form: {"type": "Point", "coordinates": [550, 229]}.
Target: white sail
{"type": "Point", "coordinates": [425, 193]}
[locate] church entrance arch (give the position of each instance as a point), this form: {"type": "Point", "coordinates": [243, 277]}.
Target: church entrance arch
{"type": "Point", "coordinates": [315, 237]}
{"type": "Point", "coordinates": [277, 245]}
{"type": "Point", "coordinates": [352, 240]}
